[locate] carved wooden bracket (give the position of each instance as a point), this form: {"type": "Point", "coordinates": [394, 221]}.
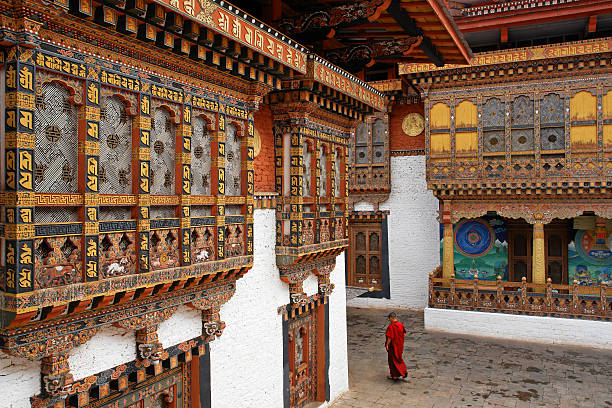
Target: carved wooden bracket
{"type": "Point", "coordinates": [323, 273]}
{"type": "Point", "coordinates": [295, 277]}
{"type": "Point", "coordinates": [149, 349]}
{"type": "Point", "coordinates": [327, 20]}
{"type": "Point", "coordinates": [355, 57]}
{"type": "Point", "coordinates": [56, 379]}
{"type": "Point", "coordinates": [147, 320]}
{"type": "Point", "coordinates": [210, 305]}
{"type": "Point", "coordinates": [212, 325]}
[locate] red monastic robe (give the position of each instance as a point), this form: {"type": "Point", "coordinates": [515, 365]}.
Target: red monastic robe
{"type": "Point", "coordinates": [397, 334]}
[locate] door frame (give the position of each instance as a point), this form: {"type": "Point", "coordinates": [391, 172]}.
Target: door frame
{"type": "Point", "coordinates": [514, 228]}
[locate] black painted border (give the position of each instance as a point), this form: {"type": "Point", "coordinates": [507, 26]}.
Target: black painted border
{"type": "Point", "coordinates": [286, 391]}
{"type": "Point", "coordinates": [327, 352]}
{"type": "Point", "coordinates": [205, 384]}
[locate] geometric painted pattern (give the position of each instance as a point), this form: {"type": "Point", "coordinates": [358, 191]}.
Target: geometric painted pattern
{"type": "Point", "coordinates": [115, 147]}
{"type": "Point", "coordinates": [233, 159]}
{"type": "Point", "coordinates": [162, 153]}
{"type": "Point", "coordinates": [200, 158]}
{"type": "Point", "coordinates": [56, 152]}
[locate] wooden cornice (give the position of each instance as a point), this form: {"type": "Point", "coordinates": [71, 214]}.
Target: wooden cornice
{"type": "Point", "coordinates": [523, 16]}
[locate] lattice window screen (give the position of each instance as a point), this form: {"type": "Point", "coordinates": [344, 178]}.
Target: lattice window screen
{"type": "Point", "coordinates": [115, 147]}
{"type": "Point", "coordinates": [56, 153]}
{"type": "Point", "coordinates": [338, 174]}
{"type": "Point", "coordinates": [162, 153]}
{"type": "Point", "coordinates": [200, 158]}
{"type": "Point", "coordinates": [112, 213]}
{"type": "Point", "coordinates": [522, 124]}
{"type": "Point", "coordinates": [233, 158]}
{"type": "Point", "coordinates": [307, 156]}
{"type": "Point", "coordinates": [162, 211]}
{"type": "Point", "coordinates": [323, 172]}
{"type": "Point", "coordinates": [51, 215]}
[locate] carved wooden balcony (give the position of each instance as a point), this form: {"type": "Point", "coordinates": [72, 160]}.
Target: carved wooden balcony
{"type": "Point", "coordinates": [569, 301]}
{"type": "Point", "coordinates": [552, 140]}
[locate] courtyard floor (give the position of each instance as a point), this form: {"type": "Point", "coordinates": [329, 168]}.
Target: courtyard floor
{"type": "Point", "coordinates": [457, 371]}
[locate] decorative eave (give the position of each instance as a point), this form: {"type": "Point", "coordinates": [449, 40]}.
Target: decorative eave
{"type": "Point", "coordinates": [336, 78]}
{"type": "Point", "coordinates": [234, 23]}
{"type": "Point", "coordinates": [212, 32]}
{"type": "Point", "coordinates": [523, 12]}
{"type": "Point", "coordinates": [505, 65]}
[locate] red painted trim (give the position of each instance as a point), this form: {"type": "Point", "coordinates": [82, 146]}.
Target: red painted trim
{"type": "Point", "coordinates": [531, 16]}
{"type": "Point", "coordinates": [449, 28]}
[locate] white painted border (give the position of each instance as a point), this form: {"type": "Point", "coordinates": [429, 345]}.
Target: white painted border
{"type": "Point", "coordinates": [551, 330]}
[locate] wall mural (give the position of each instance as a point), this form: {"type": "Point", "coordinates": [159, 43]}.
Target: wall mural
{"type": "Point", "coordinates": [590, 257]}
{"type": "Point", "coordinates": [481, 248]}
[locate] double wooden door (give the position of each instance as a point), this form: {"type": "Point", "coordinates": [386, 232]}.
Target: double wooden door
{"type": "Point", "coordinates": [365, 267]}
{"type": "Point", "coordinates": [520, 251]}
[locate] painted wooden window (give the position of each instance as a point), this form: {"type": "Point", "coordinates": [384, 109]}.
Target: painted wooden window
{"type": "Point", "coordinates": [522, 132]}
{"type": "Point", "coordinates": [233, 161]}
{"type": "Point", "coordinates": [56, 151]}
{"type": "Point", "coordinates": [583, 130]}
{"type": "Point", "coordinates": [493, 121]}
{"type": "Point", "coordinates": [440, 123]}
{"type": "Point", "coordinates": [307, 170]}
{"type": "Point", "coordinates": [466, 124]}
{"type": "Point", "coordinates": [379, 132]}
{"type": "Point", "coordinates": [200, 157]}
{"type": "Point", "coordinates": [365, 255]}
{"type": "Point", "coordinates": [163, 133]}
{"type": "Point", "coordinates": [337, 173]}
{"type": "Point", "coordinates": [552, 126]}
{"type": "Point", "coordinates": [115, 147]}
{"type": "Point", "coordinates": [323, 178]}
{"type": "Point", "coordinates": [607, 118]}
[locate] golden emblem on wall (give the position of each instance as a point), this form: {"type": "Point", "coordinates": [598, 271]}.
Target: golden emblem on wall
{"type": "Point", "coordinates": [256, 143]}
{"type": "Point", "coordinates": [413, 124]}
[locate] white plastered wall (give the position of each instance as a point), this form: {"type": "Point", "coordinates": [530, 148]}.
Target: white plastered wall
{"type": "Point", "coordinates": [414, 237]}
{"type": "Point", "coordinates": [541, 329]}
{"type": "Point", "coordinates": [19, 380]}
{"type": "Point", "coordinates": [247, 360]}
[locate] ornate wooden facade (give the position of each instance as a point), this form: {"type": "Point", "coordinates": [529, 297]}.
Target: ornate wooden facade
{"type": "Point", "coordinates": [313, 125]}
{"type": "Point", "coordinates": [523, 134]}
{"type": "Point", "coordinates": [128, 179]}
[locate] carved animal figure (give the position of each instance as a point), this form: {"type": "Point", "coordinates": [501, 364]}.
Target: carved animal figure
{"type": "Point", "coordinates": [117, 268]}
{"type": "Point", "coordinates": [202, 256]}
{"type": "Point", "coordinates": [56, 275]}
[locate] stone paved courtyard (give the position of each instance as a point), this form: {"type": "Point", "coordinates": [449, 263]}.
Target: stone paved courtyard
{"type": "Point", "coordinates": [453, 371]}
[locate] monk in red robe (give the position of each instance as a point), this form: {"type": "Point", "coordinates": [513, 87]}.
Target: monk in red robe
{"type": "Point", "coordinates": [396, 333]}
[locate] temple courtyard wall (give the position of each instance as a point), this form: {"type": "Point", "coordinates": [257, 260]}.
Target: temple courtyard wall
{"type": "Point", "coordinates": [413, 235]}
{"type": "Point", "coordinates": [541, 329]}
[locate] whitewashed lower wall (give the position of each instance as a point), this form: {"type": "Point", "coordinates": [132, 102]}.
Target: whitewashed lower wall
{"type": "Point", "coordinates": [414, 235]}
{"type": "Point", "coordinates": [247, 361]}
{"type": "Point", "coordinates": [19, 379]}
{"type": "Point", "coordinates": [553, 330]}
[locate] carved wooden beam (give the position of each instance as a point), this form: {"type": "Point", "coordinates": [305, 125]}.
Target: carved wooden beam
{"type": "Point", "coordinates": [355, 57]}
{"type": "Point", "coordinates": [321, 24]}
{"type": "Point", "coordinates": [411, 28]}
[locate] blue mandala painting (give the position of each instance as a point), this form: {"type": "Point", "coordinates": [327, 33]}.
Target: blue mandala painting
{"type": "Point", "coordinates": [474, 237]}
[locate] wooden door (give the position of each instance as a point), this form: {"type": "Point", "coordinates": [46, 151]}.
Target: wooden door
{"type": "Point", "coordinates": [365, 255]}
{"type": "Point", "coordinates": [519, 252]}
{"type": "Point", "coordinates": [303, 359]}
{"type": "Point", "coordinates": [555, 238]}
